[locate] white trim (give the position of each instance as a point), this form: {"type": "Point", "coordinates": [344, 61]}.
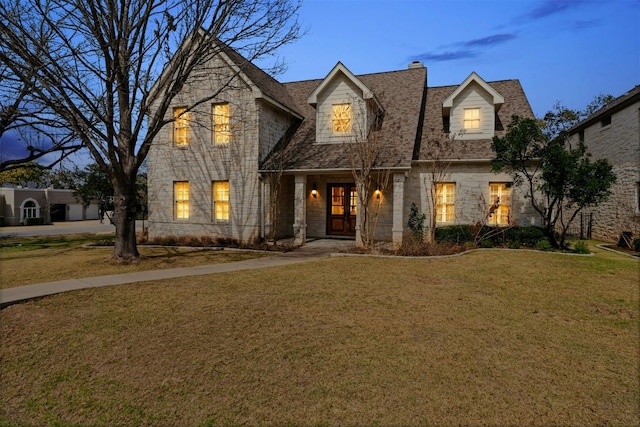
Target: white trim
{"type": "Point", "coordinates": [22, 208]}
{"type": "Point", "coordinates": [339, 68]}
{"type": "Point", "coordinates": [498, 99]}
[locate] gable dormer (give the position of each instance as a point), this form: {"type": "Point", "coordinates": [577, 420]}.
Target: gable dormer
{"type": "Point", "coordinates": [471, 109]}
{"type": "Point", "coordinates": [345, 107]}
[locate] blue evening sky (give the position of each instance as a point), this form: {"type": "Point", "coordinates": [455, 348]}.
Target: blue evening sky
{"type": "Point", "coordinates": [560, 50]}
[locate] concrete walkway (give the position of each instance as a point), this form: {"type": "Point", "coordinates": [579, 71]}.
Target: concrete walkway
{"type": "Point", "coordinates": [312, 250]}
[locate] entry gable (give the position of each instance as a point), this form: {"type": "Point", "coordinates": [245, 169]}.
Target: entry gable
{"type": "Point", "coordinates": [345, 107]}
{"type": "Point", "coordinates": [471, 109]}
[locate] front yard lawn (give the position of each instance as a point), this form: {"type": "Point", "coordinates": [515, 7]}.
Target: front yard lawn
{"type": "Point", "coordinates": [487, 338]}
{"type": "Point", "coordinates": [26, 261]}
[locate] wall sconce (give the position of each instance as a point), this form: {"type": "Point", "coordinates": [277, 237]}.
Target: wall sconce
{"type": "Point", "coordinates": [314, 191]}
{"type": "Point", "coordinates": [377, 192]}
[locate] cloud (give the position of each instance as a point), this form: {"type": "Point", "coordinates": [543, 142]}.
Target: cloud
{"type": "Point", "coordinates": [582, 25]}
{"type": "Point", "coordinates": [445, 56]}
{"type": "Point", "coordinates": [464, 49]}
{"type": "Point", "coordinates": [551, 7]}
{"type": "Point", "coordinates": [490, 40]}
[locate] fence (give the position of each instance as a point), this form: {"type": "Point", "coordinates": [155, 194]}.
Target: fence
{"type": "Point", "coordinates": [583, 227]}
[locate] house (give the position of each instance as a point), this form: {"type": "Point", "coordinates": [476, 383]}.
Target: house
{"type": "Point", "coordinates": [52, 205]}
{"type": "Point", "coordinates": [211, 172]}
{"type": "Point", "coordinates": [613, 132]}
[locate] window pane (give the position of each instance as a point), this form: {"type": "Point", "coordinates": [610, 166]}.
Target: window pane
{"type": "Point", "coordinates": [341, 118]}
{"type": "Point", "coordinates": [445, 199]}
{"type": "Point", "coordinates": [472, 118]}
{"type": "Point", "coordinates": [221, 124]}
{"type": "Point", "coordinates": [181, 130]}
{"type": "Point", "coordinates": [499, 203]}
{"type": "Point", "coordinates": [337, 201]}
{"type": "Point", "coordinates": [221, 200]}
{"type": "Point", "coordinates": [181, 196]}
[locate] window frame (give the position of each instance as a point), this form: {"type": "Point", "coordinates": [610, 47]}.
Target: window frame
{"type": "Point", "coordinates": [471, 120]}
{"type": "Point", "coordinates": [180, 125]}
{"type": "Point", "coordinates": [341, 123]}
{"type": "Point", "coordinates": [181, 205]}
{"type": "Point", "coordinates": [223, 203]}
{"type": "Point", "coordinates": [221, 132]}
{"type": "Point", "coordinates": [445, 210]}
{"type": "Point", "coordinates": [499, 217]}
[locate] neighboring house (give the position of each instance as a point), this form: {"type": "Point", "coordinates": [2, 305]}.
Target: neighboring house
{"type": "Point", "coordinates": [613, 132]}
{"type": "Point", "coordinates": [51, 205]}
{"type": "Point", "coordinates": [208, 174]}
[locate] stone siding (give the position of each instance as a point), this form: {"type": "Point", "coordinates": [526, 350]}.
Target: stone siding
{"type": "Point", "coordinates": [619, 142]}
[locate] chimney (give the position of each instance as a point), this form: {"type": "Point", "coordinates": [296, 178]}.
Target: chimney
{"type": "Point", "coordinates": [416, 64]}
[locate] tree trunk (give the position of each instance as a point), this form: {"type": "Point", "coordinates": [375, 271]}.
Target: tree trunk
{"type": "Point", "coordinates": [125, 209]}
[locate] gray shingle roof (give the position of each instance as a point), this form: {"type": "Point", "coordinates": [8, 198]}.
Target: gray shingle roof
{"type": "Point", "coordinates": [267, 84]}
{"type": "Point", "coordinates": [515, 103]}
{"type": "Point", "coordinates": [400, 94]}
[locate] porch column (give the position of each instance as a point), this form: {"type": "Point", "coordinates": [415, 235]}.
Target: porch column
{"type": "Point", "coordinates": [300, 210]}
{"type": "Point", "coordinates": [398, 209]}
{"type": "Point", "coordinates": [359, 214]}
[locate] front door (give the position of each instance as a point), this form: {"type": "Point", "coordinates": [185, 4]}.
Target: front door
{"type": "Point", "coordinates": [341, 212]}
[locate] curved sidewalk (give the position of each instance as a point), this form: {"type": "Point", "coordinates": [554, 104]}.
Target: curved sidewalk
{"type": "Point", "coordinates": [313, 250]}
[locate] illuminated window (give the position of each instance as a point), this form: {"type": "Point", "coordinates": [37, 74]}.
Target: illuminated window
{"type": "Point", "coordinates": [500, 204]}
{"type": "Point", "coordinates": [181, 197]}
{"type": "Point", "coordinates": [221, 124]}
{"type": "Point", "coordinates": [445, 196]}
{"type": "Point", "coordinates": [472, 118]}
{"type": "Point", "coordinates": [221, 200]}
{"type": "Point", "coordinates": [341, 118]}
{"type": "Point", "coordinates": [337, 201]}
{"type": "Point", "coordinates": [181, 127]}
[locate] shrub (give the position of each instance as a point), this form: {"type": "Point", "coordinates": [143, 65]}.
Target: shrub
{"type": "Point", "coordinates": [581, 247]}
{"type": "Point", "coordinates": [454, 234]}
{"type": "Point", "coordinates": [486, 243]}
{"type": "Point", "coordinates": [636, 244]}
{"type": "Point", "coordinates": [543, 245]}
{"type": "Point", "coordinates": [1, 221]}
{"type": "Point", "coordinates": [514, 244]}
{"type": "Point", "coordinates": [416, 223]}
{"type": "Point", "coordinates": [527, 236]}
{"type": "Point", "coordinates": [33, 221]}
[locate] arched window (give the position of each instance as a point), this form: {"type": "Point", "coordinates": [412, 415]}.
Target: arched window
{"type": "Point", "coordinates": [29, 209]}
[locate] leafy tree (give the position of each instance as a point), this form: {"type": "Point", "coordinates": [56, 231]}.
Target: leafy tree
{"type": "Point", "coordinates": [559, 180]}
{"type": "Point", "coordinates": [110, 70]}
{"type": "Point", "coordinates": [28, 175]}
{"type": "Point", "coordinates": [92, 184]}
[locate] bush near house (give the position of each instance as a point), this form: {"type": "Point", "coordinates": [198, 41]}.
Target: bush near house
{"type": "Point", "coordinates": [513, 237]}
{"type": "Point", "coordinates": [33, 221]}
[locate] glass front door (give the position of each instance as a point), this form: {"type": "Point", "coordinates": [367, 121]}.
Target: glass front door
{"type": "Point", "coordinates": [342, 209]}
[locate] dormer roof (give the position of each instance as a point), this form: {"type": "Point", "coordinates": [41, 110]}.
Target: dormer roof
{"type": "Point", "coordinates": [498, 99]}
{"type": "Point", "coordinates": [338, 70]}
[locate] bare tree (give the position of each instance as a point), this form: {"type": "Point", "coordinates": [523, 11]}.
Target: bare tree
{"type": "Point", "coordinates": [369, 156]}
{"type": "Point", "coordinates": [29, 129]}
{"type": "Point", "coordinates": [110, 70]}
{"type": "Point", "coordinates": [440, 153]}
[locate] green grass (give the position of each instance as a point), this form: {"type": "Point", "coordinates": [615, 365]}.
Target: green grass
{"type": "Point", "coordinates": [488, 338]}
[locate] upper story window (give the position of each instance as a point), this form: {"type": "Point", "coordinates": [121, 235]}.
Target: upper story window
{"type": "Point", "coordinates": [221, 124]}
{"type": "Point", "coordinates": [606, 121]}
{"type": "Point", "coordinates": [500, 203]}
{"type": "Point", "coordinates": [445, 202]}
{"type": "Point", "coordinates": [471, 118]}
{"type": "Point", "coordinates": [181, 199]}
{"type": "Point", "coordinates": [341, 121]}
{"type": "Point", "coordinates": [181, 127]}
